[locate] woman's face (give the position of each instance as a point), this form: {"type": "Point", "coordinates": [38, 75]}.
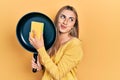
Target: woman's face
{"type": "Point", "coordinates": [66, 21]}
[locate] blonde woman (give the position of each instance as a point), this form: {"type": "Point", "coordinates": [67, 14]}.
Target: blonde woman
{"type": "Point", "coordinates": [62, 59]}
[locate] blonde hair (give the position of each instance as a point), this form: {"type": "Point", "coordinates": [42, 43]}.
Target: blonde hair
{"type": "Point", "coordinates": [74, 32]}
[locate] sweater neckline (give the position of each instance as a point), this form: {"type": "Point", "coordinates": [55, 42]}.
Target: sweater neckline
{"type": "Point", "coordinates": [68, 41]}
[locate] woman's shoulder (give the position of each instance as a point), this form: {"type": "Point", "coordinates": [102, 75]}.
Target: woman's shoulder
{"type": "Point", "coordinates": [74, 41]}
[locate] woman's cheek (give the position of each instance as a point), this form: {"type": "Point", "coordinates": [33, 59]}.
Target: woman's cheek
{"type": "Point", "coordinates": [58, 25]}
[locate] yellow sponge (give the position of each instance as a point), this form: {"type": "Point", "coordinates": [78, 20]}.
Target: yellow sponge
{"type": "Point", "coordinates": [37, 27]}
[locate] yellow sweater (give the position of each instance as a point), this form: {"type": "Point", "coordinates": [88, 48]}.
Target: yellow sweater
{"type": "Point", "coordinates": [63, 65]}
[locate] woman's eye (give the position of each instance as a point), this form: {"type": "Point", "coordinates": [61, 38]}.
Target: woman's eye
{"type": "Point", "coordinates": [62, 16]}
{"type": "Point", "coordinates": [71, 19]}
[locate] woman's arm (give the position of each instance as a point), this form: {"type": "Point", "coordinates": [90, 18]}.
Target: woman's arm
{"type": "Point", "coordinates": [70, 59]}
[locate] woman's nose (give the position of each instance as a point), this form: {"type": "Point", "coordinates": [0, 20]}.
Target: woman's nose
{"type": "Point", "coordinates": [65, 21]}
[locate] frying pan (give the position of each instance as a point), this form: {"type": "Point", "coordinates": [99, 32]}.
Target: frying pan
{"type": "Point", "coordinates": [24, 27]}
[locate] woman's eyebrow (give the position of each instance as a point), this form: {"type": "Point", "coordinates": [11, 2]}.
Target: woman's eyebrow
{"type": "Point", "coordinates": [63, 14]}
{"type": "Point", "coordinates": [73, 18]}
{"type": "Point", "coordinates": [69, 17]}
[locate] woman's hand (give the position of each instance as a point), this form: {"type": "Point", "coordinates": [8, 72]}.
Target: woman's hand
{"type": "Point", "coordinates": [35, 41]}
{"type": "Point", "coordinates": [36, 65]}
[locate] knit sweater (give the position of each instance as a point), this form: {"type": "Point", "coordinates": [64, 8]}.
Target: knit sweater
{"type": "Point", "coordinates": [63, 65]}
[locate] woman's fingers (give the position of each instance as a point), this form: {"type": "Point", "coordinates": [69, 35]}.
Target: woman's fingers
{"type": "Point", "coordinates": [35, 41]}
{"type": "Point", "coordinates": [36, 65]}
{"type": "Point", "coordinates": [31, 39]}
{"type": "Point", "coordinates": [34, 34]}
{"type": "Point", "coordinates": [33, 59]}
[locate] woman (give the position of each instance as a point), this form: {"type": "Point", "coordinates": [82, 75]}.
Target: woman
{"type": "Point", "coordinates": [60, 62]}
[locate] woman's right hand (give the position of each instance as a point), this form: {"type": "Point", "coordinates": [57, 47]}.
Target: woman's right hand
{"type": "Point", "coordinates": [36, 65]}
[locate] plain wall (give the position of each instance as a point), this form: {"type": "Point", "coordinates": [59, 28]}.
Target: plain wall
{"type": "Point", "coordinates": [99, 31]}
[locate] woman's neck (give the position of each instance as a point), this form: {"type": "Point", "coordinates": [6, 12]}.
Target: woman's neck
{"type": "Point", "coordinates": [63, 38]}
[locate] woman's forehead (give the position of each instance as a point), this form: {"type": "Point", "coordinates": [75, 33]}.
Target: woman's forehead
{"type": "Point", "coordinates": [68, 13]}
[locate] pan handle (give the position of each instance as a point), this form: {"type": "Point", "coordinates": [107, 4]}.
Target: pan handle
{"type": "Point", "coordinates": [35, 57]}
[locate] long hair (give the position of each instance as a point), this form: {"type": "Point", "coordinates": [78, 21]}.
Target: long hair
{"type": "Point", "coordinates": [73, 33]}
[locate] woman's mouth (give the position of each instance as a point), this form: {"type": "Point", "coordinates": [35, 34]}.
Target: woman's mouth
{"type": "Point", "coordinates": [63, 27]}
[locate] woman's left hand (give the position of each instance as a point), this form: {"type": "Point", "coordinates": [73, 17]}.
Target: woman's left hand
{"type": "Point", "coordinates": [35, 41]}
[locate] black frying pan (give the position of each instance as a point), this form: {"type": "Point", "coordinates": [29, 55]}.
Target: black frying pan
{"type": "Point", "coordinates": [24, 27]}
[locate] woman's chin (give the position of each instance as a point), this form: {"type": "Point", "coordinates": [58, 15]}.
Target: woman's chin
{"type": "Point", "coordinates": [63, 32]}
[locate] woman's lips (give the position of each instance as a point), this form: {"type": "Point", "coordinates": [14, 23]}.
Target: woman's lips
{"type": "Point", "coordinates": [63, 27]}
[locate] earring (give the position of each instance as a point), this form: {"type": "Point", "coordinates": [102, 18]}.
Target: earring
{"type": "Point", "coordinates": [72, 29]}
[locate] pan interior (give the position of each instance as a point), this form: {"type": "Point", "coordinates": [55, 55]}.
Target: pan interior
{"type": "Point", "coordinates": [24, 27]}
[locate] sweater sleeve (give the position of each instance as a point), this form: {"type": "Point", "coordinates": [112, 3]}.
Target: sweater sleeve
{"type": "Point", "coordinates": [69, 60]}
